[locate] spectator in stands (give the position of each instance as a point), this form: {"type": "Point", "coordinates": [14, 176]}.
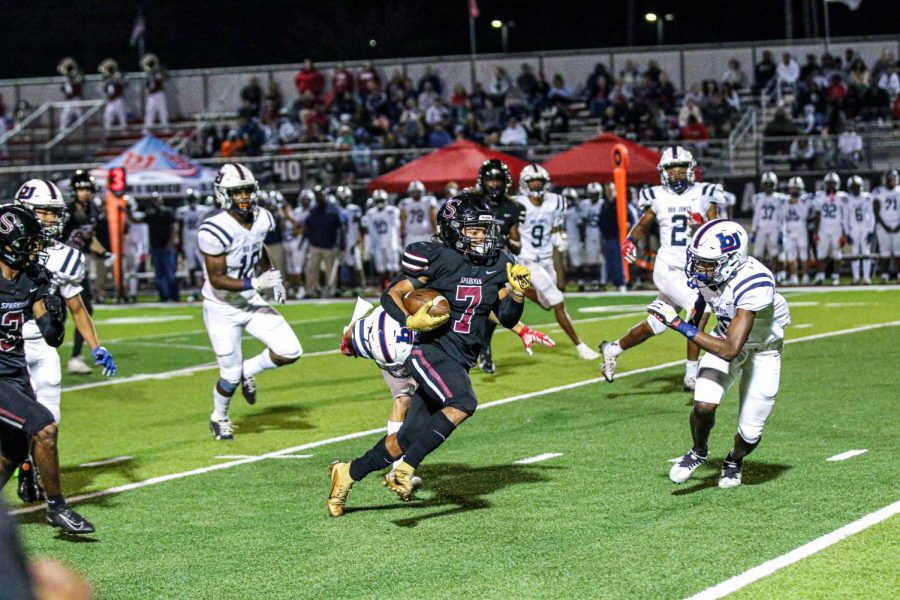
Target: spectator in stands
{"type": "Point", "coordinates": [599, 99]}
{"type": "Point", "coordinates": [398, 87]}
{"type": "Point", "coordinates": [559, 89]}
{"type": "Point", "coordinates": [653, 71]}
{"type": "Point", "coordinates": [272, 103]}
{"type": "Point", "coordinates": [858, 78]}
{"type": "Point", "coordinates": [837, 90]}
{"type": "Point", "coordinates": [731, 97]}
{"type": "Point", "coordinates": [251, 96]}
{"type": "Point", "coordinates": [309, 80]}
{"type": "Point", "coordinates": [437, 113]}
{"type": "Point", "coordinates": [734, 75]}
{"type": "Point", "coordinates": [787, 74]}
{"type": "Point", "coordinates": [427, 97]}
{"type": "Point", "coordinates": [883, 64]}
{"type": "Point", "coordinates": [629, 72]}
{"type": "Point", "coordinates": [376, 100]}
{"type": "Point", "coordinates": [439, 136]}
{"type": "Point", "coordinates": [431, 77]}
{"type": "Point", "coordinates": [366, 75]}
{"type": "Point", "coordinates": [477, 97]}
{"type": "Point", "coordinates": [718, 114]}
{"type": "Point", "coordinates": [802, 153]}
{"type": "Point", "coordinates": [810, 68]}
{"type": "Point", "coordinates": [620, 92]}
{"type": "Point", "coordinates": [251, 133]}
{"type": "Point", "coordinates": [597, 81]}
{"type": "Point", "coordinates": [499, 86]}
{"type": "Point", "coordinates": [694, 94]}
{"type": "Point", "coordinates": [527, 82]}
{"type": "Point", "coordinates": [341, 81]}
{"type": "Point", "coordinates": [160, 220]}
{"type": "Point", "coordinates": [695, 134]}
{"type": "Point", "coordinates": [812, 95]}
{"type": "Point", "coordinates": [850, 146]}
{"type": "Point", "coordinates": [889, 80]}
{"type": "Point", "coordinates": [809, 120]}
{"type": "Point", "coordinates": [459, 101]}
{"type": "Point", "coordinates": [689, 109]}
{"type": "Point", "coordinates": [781, 126]}
{"type": "Point", "coordinates": [764, 72]}
{"type": "Point", "coordinates": [514, 134]}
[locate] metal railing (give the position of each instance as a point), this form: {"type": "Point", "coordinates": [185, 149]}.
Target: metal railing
{"type": "Point", "coordinates": [747, 124]}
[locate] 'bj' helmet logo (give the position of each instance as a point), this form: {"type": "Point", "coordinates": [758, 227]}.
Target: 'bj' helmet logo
{"type": "Point", "coordinates": [728, 242]}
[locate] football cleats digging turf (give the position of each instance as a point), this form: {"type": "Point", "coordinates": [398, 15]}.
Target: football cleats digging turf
{"type": "Point", "coordinates": [676, 159]}
{"type": "Point", "coordinates": [45, 200]}
{"type": "Point", "coordinates": [236, 190]}
{"type": "Point", "coordinates": [717, 251]}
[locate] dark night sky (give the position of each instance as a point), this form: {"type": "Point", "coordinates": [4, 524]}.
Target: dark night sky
{"type": "Point", "coordinates": [208, 33]}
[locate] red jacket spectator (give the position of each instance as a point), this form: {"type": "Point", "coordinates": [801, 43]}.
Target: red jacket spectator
{"type": "Point", "coordinates": [309, 79]}
{"type": "Point", "coordinates": [342, 81]}
{"type": "Point", "coordinates": [837, 90]}
{"type": "Point", "coordinates": [694, 131]}
{"type": "Point", "coordinates": [364, 76]}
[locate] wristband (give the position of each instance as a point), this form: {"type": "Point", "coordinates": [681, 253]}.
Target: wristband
{"type": "Point", "coordinates": [248, 283]}
{"type": "Point", "coordinates": [685, 329]}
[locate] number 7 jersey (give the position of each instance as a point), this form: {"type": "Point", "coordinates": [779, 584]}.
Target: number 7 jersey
{"type": "Point", "coordinates": [219, 234]}
{"type": "Point", "coordinates": [673, 214]}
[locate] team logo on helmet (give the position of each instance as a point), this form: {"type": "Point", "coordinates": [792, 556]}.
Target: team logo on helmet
{"type": "Point", "coordinates": [7, 222]}
{"type": "Point", "coordinates": [728, 242]}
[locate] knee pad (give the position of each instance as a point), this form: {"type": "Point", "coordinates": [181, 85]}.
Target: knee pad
{"type": "Point", "coordinates": [707, 388]}
{"type": "Point", "coordinates": [656, 326]}
{"type": "Point", "coordinates": [51, 401]}
{"type": "Point", "coordinates": [228, 386]}
{"type": "Point", "coordinates": [750, 432]}
{"type": "Point", "coordinates": [290, 349]}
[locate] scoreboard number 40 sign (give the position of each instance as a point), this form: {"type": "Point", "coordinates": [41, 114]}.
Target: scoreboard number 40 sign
{"type": "Point", "coordinates": [288, 170]}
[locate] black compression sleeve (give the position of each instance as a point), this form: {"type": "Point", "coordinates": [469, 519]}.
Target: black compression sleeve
{"type": "Point", "coordinates": [509, 312]}
{"type": "Point", "coordinates": [52, 329]}
{"type": "Point", "coordinates": [391, 308]}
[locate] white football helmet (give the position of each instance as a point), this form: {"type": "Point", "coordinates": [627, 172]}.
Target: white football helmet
{"type": "Point", "coordinates": [42, 195]}
{"type": "Point", "coordinates": [344, 195]}
{"type": "Point", "coordinates": [234, 179]}
{"type": "Point", "coordinates": [379, 199]}
{"type": "Point", "coordinates": [676, 156]}
{"type": "Point", "coordinates": [594, 190]}
{"type": "Point", "coordinates": [570, 195]}
{"type": "Point", "coordinates": [796, 183]}
{"type": "Point", "coordinates": [385, 341]}
{"type": "Point", "coordinates": [533, 172]}
{"type": "Point", "coordinates": [415, 186]}
{"type": "Point", "coordinates": [833, 179]}
{"type": "Point", "coordinates": [769, 180]}
{"type": "Point", "coordinates": [306, 197]}
{"type": "Point", "coordinates": [718, 250]}
{"type": "Point", "coordinates": [855, 182]}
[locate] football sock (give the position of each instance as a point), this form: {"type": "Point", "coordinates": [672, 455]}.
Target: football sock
{"type": "Point", "coordinates": [393, 426]}
{"type": "Point", "coordinates": [690, 368]}
{"type": "Point", "coordinates": [56, 502]}
{"type": "Point", "coordinates": [615, 349]}
{"type": "Point", "coordinates": [438, 429]}
{"type": "Point", "coordinates": [258, 364]}
{"type": "Point", "coordinates": [220, 403]}
{"type": "Point", "coordinates": [732, 459]}
{"type": "Point", "coordinates": [854, 267]}
{"type": "Point", "coordinates": [375, 459]}
{"type": "Point", "coordinates": [867, 269]}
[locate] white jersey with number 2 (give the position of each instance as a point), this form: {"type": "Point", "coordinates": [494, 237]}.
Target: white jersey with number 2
{"type": "Point", "coordinates": [673, 214]}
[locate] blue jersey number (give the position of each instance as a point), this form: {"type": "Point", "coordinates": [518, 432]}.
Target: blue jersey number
{"type": "Point", "coordinates": [679, 229]}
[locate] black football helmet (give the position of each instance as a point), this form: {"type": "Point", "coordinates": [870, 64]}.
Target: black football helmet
{"type": "Point", "coordinates": [81, 180]}
{"type": "Point", "coordinates": [494, 170]}
{"type": "Point", "coordinates": [21, 237]}
{"type": "Point", "coordinates": [466, 211]}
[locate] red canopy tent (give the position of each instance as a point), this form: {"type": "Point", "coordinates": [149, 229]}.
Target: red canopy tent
{"type": "Point", "coordinates": [457, 162]}
{"type": "Point", "coordinates": [593, 161]}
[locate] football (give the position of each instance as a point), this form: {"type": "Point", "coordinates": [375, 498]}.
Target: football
{"type": "Point", "coordinates": [415, 299]}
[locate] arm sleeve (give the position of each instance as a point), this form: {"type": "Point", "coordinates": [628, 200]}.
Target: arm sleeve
{"type": "Point", "coordinates": [53, 330]}
{"type": "Point", "coordinates": [509, 311]}
{"type": "Point", "coordinates": [755, 223]}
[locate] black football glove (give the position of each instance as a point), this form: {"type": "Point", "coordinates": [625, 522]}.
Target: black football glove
{"type": "Point", "coordinates": [54, 306]}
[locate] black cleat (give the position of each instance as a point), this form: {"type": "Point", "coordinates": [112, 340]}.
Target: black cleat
{"type": "Point", "coordinates": [486, 361]}
{"type": "Point", "coordinates": [222, 430]}
{"type": "Point", "coordinates": [29, 489]}
{"type": "Point", "coordinates": [69, 521]}
{"type": "Point", "coordinates": [248, 389]}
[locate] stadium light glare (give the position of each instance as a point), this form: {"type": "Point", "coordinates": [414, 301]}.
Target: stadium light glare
{"type": "Point", "coordinates": [670, 17]}
{"type": "Point", "coordinates": [651, 17]}
{"type": "Point", "coordinates": [496, 24]}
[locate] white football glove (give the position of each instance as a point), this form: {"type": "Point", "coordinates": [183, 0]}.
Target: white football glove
{"type": "Point", "coordinates": [267, 281]}
{"type": "Point", "coordinates": [666, 314]}
{"type": "Point", "coordinates": [560, 242]}
{"type": "Point", "coordinates": [109, 260]}
{"type": "Point", "coordinates": [279, 294]}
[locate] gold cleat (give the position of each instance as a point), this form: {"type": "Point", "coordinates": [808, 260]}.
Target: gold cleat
{"type": "Point", "coordinates": [341, 483]}
{"type": "Point", "coordinates": [400, 481]}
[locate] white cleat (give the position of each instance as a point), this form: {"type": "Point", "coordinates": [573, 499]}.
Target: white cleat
{"type": "Point", "coordinates": [77, 366]}
{"type": "Point", "coordinates": [609, 362]}
{"type": "Point", "coordinates": [731, 475]}
{"type": "Point", "coordinates": [585, 353]}
{"type": "Point", "coordinates": [686, 465]}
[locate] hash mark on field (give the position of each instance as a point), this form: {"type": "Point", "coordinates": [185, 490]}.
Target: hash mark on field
{"type": "Point", "coordinates": [321, 336]}
{"type": "Point", "coordinates": [538, 458]}
{"type": "Point", "coordinates": [846, 455]}
{"type": "Point", "coordinates": [797, 554]}
{"type": "Point", "coordinates": [240, 456]}
{"type": "Point", "coordinates": [802, 325]}
{"type": "Point", "coordinates": [108, 461]}
{"type": "Point", "coordinates": [380, 430]}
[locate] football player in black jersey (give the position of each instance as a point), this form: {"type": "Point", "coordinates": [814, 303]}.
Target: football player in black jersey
{"type": "Point", "coordinates": [494, 181]}
{"type": "Point", "coordinates": [476, 277]}
{"type": "Point", "coordinates": [25, 423]}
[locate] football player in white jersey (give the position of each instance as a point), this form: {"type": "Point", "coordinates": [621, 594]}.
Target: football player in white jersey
{"type": "Point", "coordinates": [573, 233]}
{"type": "Point", "coordinates": [543, 213]}
{"type": "Point", "coordinates": [678, 206]}
{"type": "Point", "coordinates": [746, 345]}
{"type": "Point", "coordinates": [66, 267]}
{"type": "Point", "coordinates": [295, 243]}
{"type": "Point", "coordinates": [830, 205]}
{"type": "Point", "coordinates": [886, 208]}
{"type": "Point", "coordinates": [418, 215]}
{"type": "Point", "coordinates": [189, 217]}
{"type": "Point", "coordinates": [231, 241]}
{"type": "Point", "coordinates": [381, 226]}
{"type": "Point", "coordinates": [859, 228]}
{"type": "Point", "coordinates": [590, 232]}
{"type": "Point", "coordinates": [795, 214]}
{"type": "Point", "coordinates": [765, 232]}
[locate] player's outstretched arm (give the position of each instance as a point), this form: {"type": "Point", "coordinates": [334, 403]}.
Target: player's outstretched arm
{"type": "Point", "coordinates": [49, 315]}
{"type": "Point", "coordinates": [726, 348]}
{"type": "Point", "coordinates": [85, 326]}
{"type": "Point", "coordinates": [629, 247]}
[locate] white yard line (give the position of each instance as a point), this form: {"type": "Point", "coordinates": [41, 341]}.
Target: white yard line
{"type": "Point", "coordinates": [351, 436]}
{"type": "Point", "coordinates": [108, 461]}
{"type": "Point", "coordinates": [767, 568]}
{"type": "Point", "coordinates": [846, 455]}
{"type": "Point", "coordinates": [538, 458]}
{"type": "Point", "coordinates": [236, 456]}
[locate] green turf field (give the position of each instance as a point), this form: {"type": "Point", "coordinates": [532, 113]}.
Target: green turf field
{"type": "Point", "coordinates": [600, 520]}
